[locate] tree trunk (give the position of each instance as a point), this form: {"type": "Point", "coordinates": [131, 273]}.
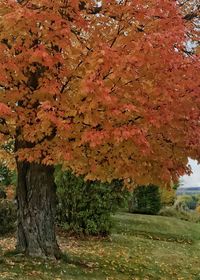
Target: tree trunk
{"type": "Point", "coordinates": [36, 198]}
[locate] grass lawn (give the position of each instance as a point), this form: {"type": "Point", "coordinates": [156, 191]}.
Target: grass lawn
{"type": "Point", "coordinates": [140, 247]}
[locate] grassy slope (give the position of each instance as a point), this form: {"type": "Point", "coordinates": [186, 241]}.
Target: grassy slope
{"type": "Point", "coordinates": [141, 247]}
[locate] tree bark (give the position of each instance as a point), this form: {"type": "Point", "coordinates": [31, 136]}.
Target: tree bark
{"type": "Point", "coordinates": [36, 199]}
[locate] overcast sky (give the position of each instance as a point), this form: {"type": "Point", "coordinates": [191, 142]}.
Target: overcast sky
{"type": "Point", "coordinates": [194, 179]}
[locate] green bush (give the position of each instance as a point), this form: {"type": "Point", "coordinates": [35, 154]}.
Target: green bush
{"type": "Point", "coordinates": [7, 216]}
{"type": "Point", "coordinates": [85, 207]}
{"type": "Point", "coordinates": [145, 200]}
{"type": "Point", "coordinates": [7, 176]}
{"type": "Point", "coordinates": [2, 193]}
{"type": "Point", "coordinates": [191, 216]}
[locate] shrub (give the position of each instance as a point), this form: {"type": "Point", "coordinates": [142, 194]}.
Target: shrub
{"type": "Point", "coordinates": [191, 216]}
{"type": "Point", "coordinates": [85, 207]}
{"type": "Point", "coordinates": [198, 209]}
{"type": "Point", "coordinates": [145, 200]}
{"type": "Point", "coordinates": [186, 202]}
{"type": "Point", "coordinates": [192, 203]}
{"type": "Point", "coordinates": [167, 196]}
{"type": "Point", "coordinates": [198, 198]}
{"type": "Point", "coordinates": [7, 216]}
{"type": "Point", "coordinates": [7, 176]}
{"type": "Point", "coordinates": [2, 193]}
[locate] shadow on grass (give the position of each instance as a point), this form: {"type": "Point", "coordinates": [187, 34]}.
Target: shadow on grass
{"type": "Point", "coordinates": [66, 259]}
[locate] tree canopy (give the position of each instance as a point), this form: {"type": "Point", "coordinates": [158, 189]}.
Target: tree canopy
{"type": "Point", "coordinates": [104, 88]}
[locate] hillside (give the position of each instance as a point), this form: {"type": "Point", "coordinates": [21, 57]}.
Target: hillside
{"type": "Point", "coordinates": [140, 247]}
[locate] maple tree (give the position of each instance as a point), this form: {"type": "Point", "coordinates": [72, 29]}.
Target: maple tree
{"type": "Point", "coordinates": [103, 88]}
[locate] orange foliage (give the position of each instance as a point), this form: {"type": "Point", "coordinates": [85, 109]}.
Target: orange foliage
{"type": "Point", "coordinates": [105, 90]}
{"type": "Point", "coordinates": [10, 192]}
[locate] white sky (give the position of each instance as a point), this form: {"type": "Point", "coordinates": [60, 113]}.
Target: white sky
{"type": "Point", "coordinates": [194, 179]}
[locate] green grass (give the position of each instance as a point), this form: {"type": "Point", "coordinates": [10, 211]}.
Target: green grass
{"type": "Point", "coordinates": [140, 247]}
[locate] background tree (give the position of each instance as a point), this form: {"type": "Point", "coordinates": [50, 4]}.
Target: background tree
{"type": "Point", "coordinates": [167, 196]}
{"type": "Point", "coordinates": [145, 200]}
{"type": "Point", "coordinates": [106, 91]}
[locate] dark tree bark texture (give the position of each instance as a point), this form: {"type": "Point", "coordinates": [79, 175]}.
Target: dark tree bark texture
{"type": "Point", "coordinates": [36, 198]}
